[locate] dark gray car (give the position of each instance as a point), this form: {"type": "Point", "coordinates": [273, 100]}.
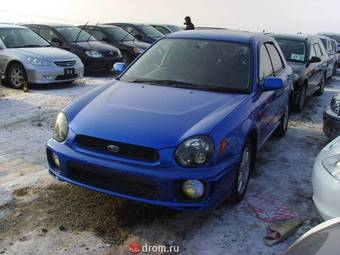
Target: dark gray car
{"type": "Point", "coordinates": [308, 58]}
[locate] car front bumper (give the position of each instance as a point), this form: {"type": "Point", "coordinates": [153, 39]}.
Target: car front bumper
{"type": "Point", "coordinates": [52, 74]}
{"type": "Point", "coordinates": [331, 124]}
{"type": "Point", "coordinates": [158, 186]}
{"type": "Point", "coordinates": [326, 191]}
{"type": "Point", "coordinates": [100, 64]}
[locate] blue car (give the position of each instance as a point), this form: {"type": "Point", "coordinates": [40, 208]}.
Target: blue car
{"type": "Point", "coordinates": [181, 126]}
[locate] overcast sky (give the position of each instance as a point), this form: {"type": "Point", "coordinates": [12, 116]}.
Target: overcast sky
{"type": "Point", "coordinates": [309, 16]}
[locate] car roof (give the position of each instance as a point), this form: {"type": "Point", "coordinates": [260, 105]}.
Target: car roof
{"type": "Point", "coordinates": [221, 35]}
{"type": "Point", "coordinates": [323, 37]}
{"type": "Point", "coordinates": [297, 37]}
{"type": "Point", "coordinates": [50, 24]}
{"type": "Point", "coordinates": [4, 25]}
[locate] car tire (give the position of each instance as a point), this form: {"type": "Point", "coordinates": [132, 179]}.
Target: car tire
{"type": "Point", "coordinates": [126, 58]}
{"type": "Point", "coordinates": [16, 76]}
{"type": "Point", "coordinates": [322, 86]}
{"type": "Point", "coordinates": [240, 183]}
{"type": "Point", "coordinates": [281, 130]}
{"type": "Point", "coordinates": [301, 99]}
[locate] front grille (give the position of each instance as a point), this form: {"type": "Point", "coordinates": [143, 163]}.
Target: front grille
{"type": "Point", "coordinates": [66, 77]}
{"type": "Point", "coordinates": [113, 181]}
{"type": "Point", "coordinates": [65, 63]}
{"type": "Point", "coordinates": [125, 150]}
{"type": "Point", "coordinates": [111, 53]}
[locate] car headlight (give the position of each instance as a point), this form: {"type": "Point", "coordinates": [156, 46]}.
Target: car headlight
{"type": "Point", "coordinates": [138, 50]}
{"type": "Point", "coordinates": [335, 105]}
{"type": "Point", "coordinates": [38, 61]}
{"type": "Point", "coordinates": [93, 54]}
{"type": "Point", "coordinates": [60, 128]}
{"type": "Point", "coordinates": [194, 151]}
{"type": "Point", "coordinates": [332, 165]}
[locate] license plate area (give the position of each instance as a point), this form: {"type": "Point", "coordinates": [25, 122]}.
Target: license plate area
{"type": "Point", "coordinates": [69, 71]}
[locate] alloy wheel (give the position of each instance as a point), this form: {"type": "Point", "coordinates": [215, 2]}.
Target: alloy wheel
{"type": "Point", "coordinates": [17, 77]}
{"type": "Point", "coordinates": [244, 171]}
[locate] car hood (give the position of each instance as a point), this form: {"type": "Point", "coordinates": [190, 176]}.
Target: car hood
{"type": "Point", "coordinates": [94, 45]}
{"type": "Point", "coordinates": [152, 116]}
{"type": "Point", "coordinates": [137, 44]}
{"type": "Point", "coordinates": [50, 53]}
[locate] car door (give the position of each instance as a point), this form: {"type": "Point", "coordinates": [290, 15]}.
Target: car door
{"type": "Point", "coordinates": [265, 113]}
{"type": "Point", "coordinates": [313, 70]}
{"type": "Point", "coordinates": [281, 96]}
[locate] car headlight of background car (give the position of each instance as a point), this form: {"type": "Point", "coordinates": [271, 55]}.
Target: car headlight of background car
{"type": "Point", "coordinates": [93, 54]}
{"type": "Point", "coordinates": [39, 61]}
{"type": "Point", "coordinates": [195, 151]}
{"type": "Point", "coordinates": [138, 50]}
{"type": "Point", "coordinates": [60, 131]}
{"type": "Point", "coordinates": [332, 165]}
{"type": "Point", "coordinates": [335, 105]}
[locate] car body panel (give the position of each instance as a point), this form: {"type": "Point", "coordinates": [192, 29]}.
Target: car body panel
{"type": "Point", "coordinates": [160, 118]}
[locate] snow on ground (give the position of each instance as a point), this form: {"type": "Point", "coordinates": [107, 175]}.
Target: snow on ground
{"type": "Point", "coordinates": [39, 215]}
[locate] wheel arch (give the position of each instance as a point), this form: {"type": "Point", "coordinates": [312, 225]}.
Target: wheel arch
{"type": "Point", "coordinates": [12, 62]}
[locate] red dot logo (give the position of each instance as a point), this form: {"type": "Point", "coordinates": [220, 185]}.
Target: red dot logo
{"type": "Point", "coordinates": [135, 248]}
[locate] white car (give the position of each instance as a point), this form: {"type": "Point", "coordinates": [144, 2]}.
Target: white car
{"type": "Point", "coordinates": [326, 181]}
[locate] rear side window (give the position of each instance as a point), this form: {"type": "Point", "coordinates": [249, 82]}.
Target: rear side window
{"type": "Point", "coordinates": [317, 49]}
{"type": "Point", "coordinates": [266, 68]}
{"type": "Point", "coordinates": [275, 57]}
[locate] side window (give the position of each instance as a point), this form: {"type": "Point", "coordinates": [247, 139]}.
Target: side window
{"type": "Point", "coordinates": [48, 34]}
{"type": "Point", "coordinates": [131, 30]}
{"type": "Point", "coordinates": [317, 50]}
{"type": "Point", "coordinates": [312, 52]}
{"type": "Point", "coordinates": [266, 68]}
{"type": "Point", "coordinates": [99, 35]}
{"type": "Point", "coordinates": [275, 57]}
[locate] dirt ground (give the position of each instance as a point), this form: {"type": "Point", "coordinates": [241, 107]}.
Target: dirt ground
{"type": "Point", "coordinates": [39, 215]}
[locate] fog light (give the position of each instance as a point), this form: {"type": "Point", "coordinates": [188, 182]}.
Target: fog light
{"type": "Point", "coordinates": [55, 159]}
{"type": "Point", "coordinates": [49, 77]}
{"type": "Point", "coordinates": [193, 189]}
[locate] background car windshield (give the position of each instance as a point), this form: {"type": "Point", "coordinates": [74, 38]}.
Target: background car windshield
{"type": "Point", "coordinates": [293, 50]}
{"type": "Point", "coordinates": [201, 64]}
{"type": "Point", "coordinates": [70, 34]}
{"type": "Point", "coordinates": [150, 31]}
{"type": "Point", "coordinates": [174, 28]}
{"type": "Point", "coordinates": [21, 37]}
{"type": "Point", "coordinates": [119, 34]}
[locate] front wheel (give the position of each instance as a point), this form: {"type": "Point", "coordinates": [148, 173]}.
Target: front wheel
{"type": "Point", "coordinates": [283, 126]}
{"type": "Point", "coordinates": [16, 76]}
{"type": "Point", "coordinates": [241, 180]}
{"type": "Point", "coordinates": [301, 98]}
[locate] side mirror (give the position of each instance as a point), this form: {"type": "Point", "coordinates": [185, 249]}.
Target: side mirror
{"type": "Point", "coordinates": [56, 41]}
{"type": "Point", "coordinates": [119, 67]}
{"type": "Point", "coordinates": [105, 39]}
{"type": "Point", "coordinates": [315, 60]}
{"type": "Point", "coordinates": [138, 37]}
{"type": "Point", "coordinates": [272, 83]}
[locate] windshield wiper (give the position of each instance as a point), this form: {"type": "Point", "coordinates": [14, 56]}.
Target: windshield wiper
{"type": "Point", "coordinates": [30, 46]}
{"type": "Point", "coordinates": [172, 83]}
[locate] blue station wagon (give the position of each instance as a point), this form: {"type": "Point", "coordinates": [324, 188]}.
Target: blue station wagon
{"type": "Point", "coordinates": [181, 126]}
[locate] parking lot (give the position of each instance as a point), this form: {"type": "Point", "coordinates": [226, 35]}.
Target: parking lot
{"type": "Point", "coordinates": [39, 215]}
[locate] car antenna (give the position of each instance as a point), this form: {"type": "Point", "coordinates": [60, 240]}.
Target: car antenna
{"type": "Point", "coordinates": [81, 30]}
{"type": "Point", "coordinates": [92, 31]}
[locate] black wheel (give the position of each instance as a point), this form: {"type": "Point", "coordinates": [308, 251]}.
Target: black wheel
{"type": "Point", "coordinates": [283, 126]}
{"type": "Point", "coordinates": [322, 86]}
{"type": "Point", "coordinates": [16, 76]}
{"type": "Point", "coordinates": [301, 98]}
{"type": "Point", "coordinates": [126, 58]}
{"type": "Point", "coordinates": [241, 180]}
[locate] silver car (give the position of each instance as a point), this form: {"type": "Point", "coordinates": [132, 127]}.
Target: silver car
{"type": "Point", "coordinates": [27, 57]}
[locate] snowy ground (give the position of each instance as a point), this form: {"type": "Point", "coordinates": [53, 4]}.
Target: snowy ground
{"type": "Point", "coordinates": [39, 215]}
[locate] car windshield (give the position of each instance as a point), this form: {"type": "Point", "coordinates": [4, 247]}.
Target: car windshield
{"type": "Point", "coordinates": [150, 31]}
{"type": "Point", "coordinates": [174, 28]}
{"type": "Point", "coordinates": [118, 34]}
{"type": "Point", "coordinates": [294, 50]}
{"type": "Point", "coordinates": [21, 38]}
{"type": "Point", "coordinates": [71, 33]}
{"type": "Point", "coordinates": [194, 64]}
